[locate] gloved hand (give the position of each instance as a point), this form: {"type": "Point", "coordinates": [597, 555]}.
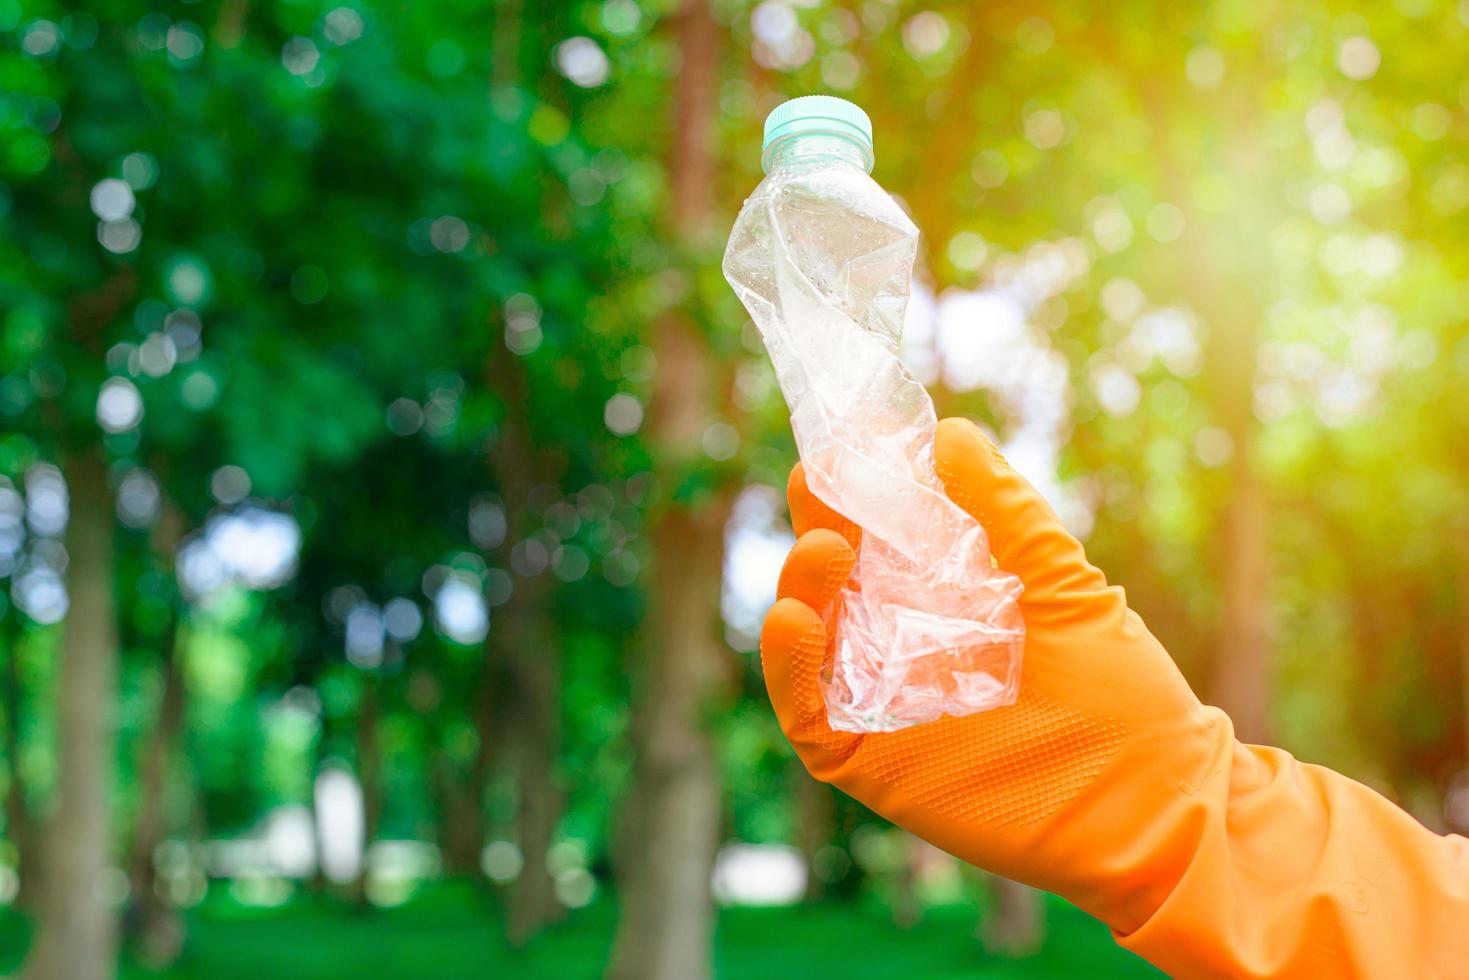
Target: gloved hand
{"type": "Point", "coordinates": [1108, 782]}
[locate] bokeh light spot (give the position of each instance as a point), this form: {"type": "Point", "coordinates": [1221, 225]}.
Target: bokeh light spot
{"type": "Point", "coordinates": [1204, 68]}
{"type": "Point", "coordinates": [402, 619]}
{"type": "Point", "coordinates": [119, 237]}
{"type": "Point", "coordinates": [41, 39]}
{"type": "Point", "coordinates": [229, 484]}
{"type": "Point", "coordinates": [342, 25]}
{"type": "Point", "coordinates": [968, 251]}
{"type": "Point", "coordinates": [1165, 223]}
{"type": "Point", "coordinates": [582, 61]}
{"type": "Point", "coordinates": [140, 170]}
{"type": "Point", "coordinates": [185, 44]}
{"type": "Point", "coordinates": [623, 414]}
{"type": "Point", "coordinates": [1358, 58]}
{"type": "Point", "coordinates": [926, 33]}
{"type": "Point", "coordinates": [460, 611]}
{"type": "Point", "coordinates": [138, 498]}
{"type": "Point", "coordinates": [621, 17]}
{"type": "Point", "coordinates": [300, 55]}
{"type": "Point", "coordinates": [112, 199]}
{"type": "Point", "coordinates": [119, 405]}
{"type": "Point", "coordinates": [187, 280]}
{"type": "Point", "coordinates": [1034, 35]}
{"type": "Point", "coordinates": [404, 417]}
{"type": "Point", "coordinates": [638, 363]}
{"type": "Point", "coordinates": [721, 441]}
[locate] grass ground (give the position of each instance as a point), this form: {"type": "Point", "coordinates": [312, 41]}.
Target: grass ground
{"type": "Point", "coordinates": [451, 933]}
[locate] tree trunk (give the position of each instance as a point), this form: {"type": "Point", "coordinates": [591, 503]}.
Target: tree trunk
{"type": "Point", "coordinates": [369, 771]}
{"type": "Point", "coordinates": [523, 647]}
{"type": "Point", "coordinates": [76, 934]}
{"type": "Point", "coordinates": [18, 825]}
{"type": "Point", "coordinates": [1463, 550]}
{"type": "Point", "coordinates": [671, 827]}
{"type": "Point", "coordinates": [1016, 923]}
{"type": "Point", "coordinates": [1242, 666]}
{"type": "Point", "coordinates": [907, 908]}
{"type": "Point", "coordinates": [462, 798]}
{"type": "Point", "coordinates": [1242, 681]}
{"type": "Point", "coordinates": [947, 148]}
{"type": "Point", "coordinates": [156, 928]}
{"type": "Point", "coordinates": [317, 884]}
{"type": "Point", "coordinates": [532, 739]}
{"type": "Point", "coordinates": [524, 650]}
{"type": "Point", "coordinates": [1224, 277]}
{"type": "Point", "coordinates": [460, 821]}
{"type": "Point", "coordinates": [153, 924]}
{"type": "Point", "coordinates": [672, 820]}
{"type": "Point", "coordinates": [815, 826]}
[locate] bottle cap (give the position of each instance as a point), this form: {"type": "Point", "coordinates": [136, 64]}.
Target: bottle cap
{"type": "Point", "coordinates": [823, 114]}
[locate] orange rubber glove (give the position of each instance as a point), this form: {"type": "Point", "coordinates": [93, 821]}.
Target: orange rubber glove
{"type": "Point", "coordinates": [1109, 783]}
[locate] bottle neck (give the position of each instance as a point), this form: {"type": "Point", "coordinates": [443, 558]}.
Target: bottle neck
{"type": "Point", "coordinates": [806, 149]}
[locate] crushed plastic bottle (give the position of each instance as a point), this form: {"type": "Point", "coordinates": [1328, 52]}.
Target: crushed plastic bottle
{"type": "Point", "coordinates": [822, 259]}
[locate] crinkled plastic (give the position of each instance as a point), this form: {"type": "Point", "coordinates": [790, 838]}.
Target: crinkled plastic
{"type": "Point", "coordinates": [822, 259]}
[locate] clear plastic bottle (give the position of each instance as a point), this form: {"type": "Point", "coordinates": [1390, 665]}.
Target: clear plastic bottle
{"type": "Point", "coordinates": [822, 258]}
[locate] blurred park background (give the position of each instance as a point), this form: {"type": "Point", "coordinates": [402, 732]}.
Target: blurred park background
{"type": "Point", "coordinates": [391, 487]}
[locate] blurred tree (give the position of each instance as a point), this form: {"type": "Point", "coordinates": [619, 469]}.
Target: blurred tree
{"type": "Point", "coordinates": [1015, 923]}
{"type": "Point", "coordinates": [673, 814]}
{"type": "Point", "coordinates": [76, 931]}
{"type": "Point", "coordinates": [153, 923]}
{"type": "Point", "coordinates": [526, 647]}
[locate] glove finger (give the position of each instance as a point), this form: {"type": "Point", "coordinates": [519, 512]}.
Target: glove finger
{"type": "Point", "coordinates": [792, 652]}
{"type": "Point", "coordinates": [816, 569]}
{"type": "Point", "coordinates": [808, 512]}
{"type": "Point", "coordinates": [1026, 537]}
